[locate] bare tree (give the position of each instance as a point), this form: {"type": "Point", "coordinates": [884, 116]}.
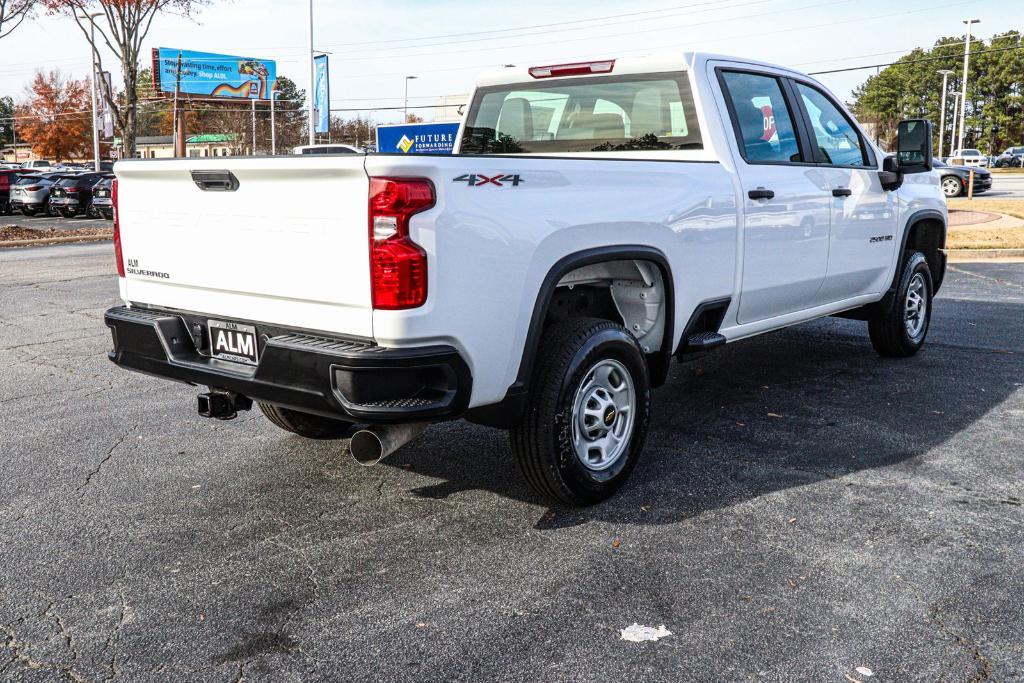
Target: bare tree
{"type": "Point", "coordinates": [121, 25]}
{"type": "Point", "coordinates": [12, 13]}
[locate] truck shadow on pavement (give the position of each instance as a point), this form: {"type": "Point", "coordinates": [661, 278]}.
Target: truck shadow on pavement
{"type": "Point", "coordinates": [799, 406]}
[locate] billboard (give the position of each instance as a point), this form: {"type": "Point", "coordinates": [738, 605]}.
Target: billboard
{"type": "Point", "coordinates": [417, 138]}
{"type": "Point", "coordinates": [206, 74]}
{"type": "Point", "coordinates": [322, 94]}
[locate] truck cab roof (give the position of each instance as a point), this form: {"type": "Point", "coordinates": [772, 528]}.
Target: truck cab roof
{"type": "Point", "coordinates": [684, 61]}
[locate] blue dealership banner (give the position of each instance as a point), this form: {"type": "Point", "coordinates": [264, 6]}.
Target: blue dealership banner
{"type": "Point", "coordinates": [417, 138]}
{"type": "Point", "coordinates": [213, 75]}
{"type": "Point", "coordinates": [322, 94]}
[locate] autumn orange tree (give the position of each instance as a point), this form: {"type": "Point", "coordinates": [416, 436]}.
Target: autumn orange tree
{"type": "Point", "coordinates": [121, 25]}
{"type": "Point", "coordinates": [55, 117]}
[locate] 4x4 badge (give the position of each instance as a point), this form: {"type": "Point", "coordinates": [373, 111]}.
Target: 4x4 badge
{"type": "Point", "coordinates": [478, 180]}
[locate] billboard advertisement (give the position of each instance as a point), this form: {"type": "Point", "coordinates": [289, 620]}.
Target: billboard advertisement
{"type": "Point", "coordinates": [322, 94]}
{"type": "Point", "coordinates": [417, 138]}
{"type": "Point", "coordinates": [207, 74]}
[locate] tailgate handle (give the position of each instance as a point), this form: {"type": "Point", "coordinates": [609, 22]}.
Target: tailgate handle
{"type": "Point", "coordinates": [215, 181]}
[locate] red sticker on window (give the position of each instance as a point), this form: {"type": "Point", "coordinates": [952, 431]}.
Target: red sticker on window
{"type": "Point", "coordinates": [769, 122]}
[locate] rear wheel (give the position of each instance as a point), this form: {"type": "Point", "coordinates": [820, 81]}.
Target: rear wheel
{"type": "Point", "coordinates": [306, 424]}
{"type": "Point", "coordinates": [588, 412]}
{"type": "Point", "coordinates": [901, 331]}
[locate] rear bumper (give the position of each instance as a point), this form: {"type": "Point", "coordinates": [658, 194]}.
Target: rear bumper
{"type": "Point", "coordinates": [348, 380]}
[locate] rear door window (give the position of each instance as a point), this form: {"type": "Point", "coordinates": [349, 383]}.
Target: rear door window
{"type": "Point", "coordinates": [591, 114]}
{"type": "Point", "coordinates": [761, 118]}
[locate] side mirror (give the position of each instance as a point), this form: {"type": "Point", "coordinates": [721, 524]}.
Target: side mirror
{"type": "Point", "coordinates": [914, 146]}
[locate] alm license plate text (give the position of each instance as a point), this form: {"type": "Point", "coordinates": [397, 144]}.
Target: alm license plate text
{"type": "Point", "coordinates": [234, 342]}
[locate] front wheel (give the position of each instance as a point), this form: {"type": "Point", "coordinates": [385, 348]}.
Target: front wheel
{"type": "Point", "coordinates": [588, 412]}
{"type": "Point", "coordinates": [306, 424]}
{"type": "Point", "coordinates": [952, 186]}
{"type": "Point", "coordinates": [900, 332]}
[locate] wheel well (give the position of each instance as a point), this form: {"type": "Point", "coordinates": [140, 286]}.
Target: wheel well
{"type": "Point", "coordinates": [630, 292]}
{"type": "Point", "coordinates": [928, 236]}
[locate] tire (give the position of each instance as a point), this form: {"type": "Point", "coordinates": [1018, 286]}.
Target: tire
{"type": "Point", "coordinates": [900, 332]}
{"type": "Point", "coordinates": [585, 366]}
{"type": "Point", "coordinates": [306, 424]}
{"type": "Point", "coordinates": [952, 186]}
{"type": "Point", "coordinates": [28, 212]}
{"type": "Point", "coordinates": [65, 213]}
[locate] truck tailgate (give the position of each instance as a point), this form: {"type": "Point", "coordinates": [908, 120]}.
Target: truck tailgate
{"type": "Point", "coordinates": [288, 245]}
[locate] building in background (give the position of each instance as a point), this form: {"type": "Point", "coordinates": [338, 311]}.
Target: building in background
{"type": "Point", "coordinates": [162, 146]}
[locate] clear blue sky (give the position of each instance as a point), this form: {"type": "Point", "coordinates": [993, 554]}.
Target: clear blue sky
{"type": "Point", "coordinates": [375, 44]}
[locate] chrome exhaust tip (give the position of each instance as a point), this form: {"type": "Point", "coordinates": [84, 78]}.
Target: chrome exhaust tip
{"type": "Point", "coordinates": [371, 445]}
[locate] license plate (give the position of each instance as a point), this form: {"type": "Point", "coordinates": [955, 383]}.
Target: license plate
{"type": "Point", "coordinates": [234, 342]}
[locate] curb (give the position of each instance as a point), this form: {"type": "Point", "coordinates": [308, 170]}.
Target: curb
{"type": "Point", "coordinates": [54, 240]}
{"type": "Point", "coordinates": [984, 254]}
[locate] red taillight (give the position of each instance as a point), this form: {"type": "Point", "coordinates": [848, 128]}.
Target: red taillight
{"type": "Point", "coordinates": [117, 230]}
{"type": "Point", "coordinates": [576, 69]}
{"type": "Point", "coordinates": [33, 188]}
{"type": "Point", "coordinates": [5, 182]}
{"type": "Point", "coordinates": [72, 189]}
{"type": "Point", "coordinates": [398, 266]}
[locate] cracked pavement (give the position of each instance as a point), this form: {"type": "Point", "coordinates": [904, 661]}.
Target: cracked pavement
{"type": "Point", "coordinates": [803, 508]}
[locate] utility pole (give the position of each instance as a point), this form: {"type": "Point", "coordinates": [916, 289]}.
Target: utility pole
{"type": "Point", "coordinates": [963, 94]}
{"type": "Point", "coordinates": [942, 115]}
{"type": "Point", "coordinates": [92, 88]}
{"type": "Point", "coordinates": [405, 107]}
{"type": "Point", "coordinates": [253, 152]}
{"type": "Point", "coordinates": [179, 118]}
{"type": "Point", "coordinates": [312, 79]}
{"type": "Point", "coordinates": [273, 124]}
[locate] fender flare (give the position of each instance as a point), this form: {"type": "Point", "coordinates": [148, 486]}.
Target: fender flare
{"type": "Point", "coordinates": [509, 411]}
{"type": "Point", "coordinates": [914, 219]}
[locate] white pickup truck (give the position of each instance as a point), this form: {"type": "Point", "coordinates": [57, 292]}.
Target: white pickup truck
{"type": "Point", "coordinates": [596, 220]}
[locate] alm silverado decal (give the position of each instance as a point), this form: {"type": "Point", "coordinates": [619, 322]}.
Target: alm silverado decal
{"type": "Point", "coordinates": [478, 180]}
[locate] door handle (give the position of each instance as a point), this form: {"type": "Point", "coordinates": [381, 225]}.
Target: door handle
{"type": "Point", "coordinates": [842, 192]}
{"type": "Point", "coordinates": [761, 193]}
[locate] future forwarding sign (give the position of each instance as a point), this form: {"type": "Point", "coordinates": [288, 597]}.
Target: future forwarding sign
{"type": "Point", "coordinates": [206, 74]}
{"type": "Point", "coordinates": [417, 138]}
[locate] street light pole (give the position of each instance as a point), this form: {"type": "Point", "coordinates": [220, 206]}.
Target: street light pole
{"type": "Point", "coordinates": [956, 110]}
{"type": "Point", "coordinates": [92, 87]}
{"type": "Point", "coordinates": [963, 94]}
{"type": "Point", "coordinates": [942, 114]}
{"type": "Point", "coordinates": [312, 79]}
{"type": "Point", "coordinates": [405, 107]}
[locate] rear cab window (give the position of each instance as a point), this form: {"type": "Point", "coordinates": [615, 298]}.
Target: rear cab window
{"type": "Point", "coordinates": [761, 118]}
{"type": "Point", "coordinates": [592, 114]}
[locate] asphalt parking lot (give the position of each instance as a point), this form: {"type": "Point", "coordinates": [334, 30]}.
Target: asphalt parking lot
{"type": "Point", "coordinates": [803, 508]}
{"type": "Point", "coordinates": [55, 222]}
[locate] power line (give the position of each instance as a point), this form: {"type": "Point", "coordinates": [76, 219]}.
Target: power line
{"type": "Point", "coordinates": [956, 57]}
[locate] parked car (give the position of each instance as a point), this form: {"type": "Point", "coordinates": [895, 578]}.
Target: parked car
{"type": "Point", "coordinates": [968, 157]}
{"type": "Point", "coordinates": [8, 178]}
{"type": "Point", "coordinates": [72, 194]}
{"type": "Point", "coordinates": [596, 221]}
{"type": "Point", "coordinates": [31, 194]}
{"type": "Point", "coordinates": [1013, 157]}
{"type": "Point", "coordinates": [102, 205]}
{"type": "Point", "coordinates": [38, 165]}
{"type": "Point", "coordinates": [955, 179]}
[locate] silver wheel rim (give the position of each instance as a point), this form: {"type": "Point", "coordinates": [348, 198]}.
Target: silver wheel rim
{"type": "Point", "coordinates": [916, 306]}
{"type": "Point", "coordinates": [951, 187]}
{"type": "Point", "coordinates": [602, 415]}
